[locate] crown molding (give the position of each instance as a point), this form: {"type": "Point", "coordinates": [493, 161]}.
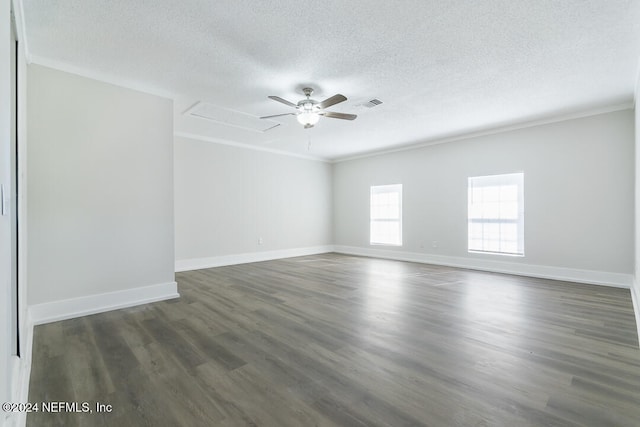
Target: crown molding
{"type": "Point", "coordinates": [248, 146]}
{"type": "Point", "coordinates": [96, 75]}
{"type": "Point", "coordinates": [495, 130]}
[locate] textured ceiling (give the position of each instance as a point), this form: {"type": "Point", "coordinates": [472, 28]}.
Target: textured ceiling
{"type": "Point", "coordinates": [441, 68]}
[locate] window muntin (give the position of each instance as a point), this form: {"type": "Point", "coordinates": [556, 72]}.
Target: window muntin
{"type": "Point", "coordinates": [386, 215]}
{"type": "Point", "coordinates": [496, 214]}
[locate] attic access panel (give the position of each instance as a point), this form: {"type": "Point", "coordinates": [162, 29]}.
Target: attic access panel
{"type": "Point", "coordinates": [228, 117]}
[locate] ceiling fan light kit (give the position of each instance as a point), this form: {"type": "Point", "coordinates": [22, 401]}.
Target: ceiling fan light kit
{"type": "Point", "coordinates": [308, 119]}
{"type": "Point", "coordinates": [309, 110]}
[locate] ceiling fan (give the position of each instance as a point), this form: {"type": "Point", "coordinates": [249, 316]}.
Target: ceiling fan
{"type": "Point", "coordinates": [309, 110]}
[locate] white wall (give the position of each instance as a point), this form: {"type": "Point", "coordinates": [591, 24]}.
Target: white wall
{"type": "Point", "coordinates": [100, 188]}
{"type": "Point", "coordinates": [6, 311]}
{"type": "Point", "coordinates": [636, 281]}
{"type": "Point", "coordinates": [228, 197]}
{"type": "Point", "coordinates": [579, 197]}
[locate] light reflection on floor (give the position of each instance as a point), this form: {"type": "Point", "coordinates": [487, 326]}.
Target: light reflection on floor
{"type": "Point", "coordinates": [491, 299]}
{"type": "Point", "coordinates": [383, 299]}
{"type": "Point", "coordinates": [484, 298]}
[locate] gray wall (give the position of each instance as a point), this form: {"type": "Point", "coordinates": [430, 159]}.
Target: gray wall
{"type": "Point", "coordinates": [100, 187]}
{"type": "Point", "coordinates": [579, 192]}
{"type": "Point", "coordinates": [228, 197]}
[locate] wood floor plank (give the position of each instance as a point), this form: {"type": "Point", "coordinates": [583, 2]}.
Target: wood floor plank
{"type": "Point", "coordinates": [335, 340]}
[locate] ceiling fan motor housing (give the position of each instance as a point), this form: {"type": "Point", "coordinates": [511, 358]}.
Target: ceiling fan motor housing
{"type": "Point", "coordinates": [307, 105]}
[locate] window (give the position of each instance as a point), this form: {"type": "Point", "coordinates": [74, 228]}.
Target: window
{"type": "Point", "coordinates": [386, 215]}
{"type": "Point", "coordinates": [496, 214]}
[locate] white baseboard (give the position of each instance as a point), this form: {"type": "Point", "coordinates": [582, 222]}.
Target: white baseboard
{"type": "Point", "coordinates": [220, 261]}
{"type": "Point", "coordinates": [593, 277]}
{"type": "Point", "coordinates": [92, 304]}
{"type": "Point", "coordinates": [635, 297]}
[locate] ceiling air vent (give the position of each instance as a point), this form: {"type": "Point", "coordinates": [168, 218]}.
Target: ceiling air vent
{"type": "Point", "coordinates": [372, 103]}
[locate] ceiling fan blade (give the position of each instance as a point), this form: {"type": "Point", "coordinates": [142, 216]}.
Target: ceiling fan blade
{"type": "Point", "coordinates": [335, 99]}
{"type": "Point", "coordinates": [284, 101]}
{"type": "Point", "coordinates": [342, 116]}
{"type": "Point", "coordinates": [278, 115]}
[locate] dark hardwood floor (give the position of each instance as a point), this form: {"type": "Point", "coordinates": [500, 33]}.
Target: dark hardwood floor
{"type": "Point", "coordinates": [334, 340]}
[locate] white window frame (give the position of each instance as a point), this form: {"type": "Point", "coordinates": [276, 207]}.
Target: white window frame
{"type": "Point", "coordinates": [493, 221]}
{"type": "Point", "coordinates": [375, 219]}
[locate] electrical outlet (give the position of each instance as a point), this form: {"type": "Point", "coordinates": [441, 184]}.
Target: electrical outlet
{"type": "Point", "coordinates": [260, 241]}
{"type": "Point", "coordinates": [434, 244]}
